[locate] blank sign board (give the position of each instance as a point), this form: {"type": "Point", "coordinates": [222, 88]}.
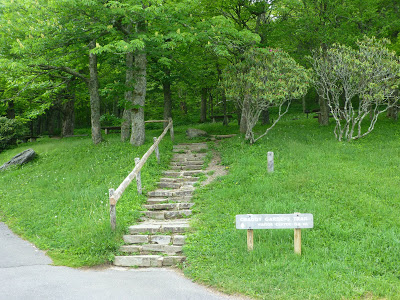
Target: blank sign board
{"type": "Point", "coordinates": [274, 221]}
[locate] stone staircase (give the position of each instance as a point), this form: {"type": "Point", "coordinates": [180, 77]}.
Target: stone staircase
{"type": "Point", "coordinates": [157, 241]}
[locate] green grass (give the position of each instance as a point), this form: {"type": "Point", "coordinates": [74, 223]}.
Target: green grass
{"type": "Point", "coordinates": [352, 189]}
{"type": "Point", "coordinates": [60, 201]}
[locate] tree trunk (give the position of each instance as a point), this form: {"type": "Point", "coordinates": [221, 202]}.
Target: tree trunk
{"type": "Point", "coordinates": [167, 98]}
{"type": "Point", "coordinates": [126, 124]}
{"type": "Point", "coordinates": [226, 120]}
{"type": "Point", "coordinates": [10, 110]}
{"type": "Point", "coordinates": [139, 96]}
{"type": "Point", "coordinates": [303, 102]}
{"type": "Point", "coordinates": [68, 113]}
{"type": "Point", "coordinates": [203, 113]}
{"type": "Point", "coordinates": [243, 119]}
{"type": "Point", "coordinates": [265, 117]}
{"type": "Point", "coordinates": [94, 96]}
{"type": "Point", "coordinates": [324, 111]}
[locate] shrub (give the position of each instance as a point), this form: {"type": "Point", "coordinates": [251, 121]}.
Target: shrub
{"type": "Point", "coordinates": [10, 131]}
{"type": "Point", "coordinates": [110, 120]}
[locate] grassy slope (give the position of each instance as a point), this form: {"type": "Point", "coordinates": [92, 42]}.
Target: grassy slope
{"type": "Point", "coordinates": [60, 201]}
{"type": "Point", "coordinates": [351, 188]}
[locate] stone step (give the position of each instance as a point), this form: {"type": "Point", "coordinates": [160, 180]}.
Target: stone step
{"type": "Point", "coordinates": [160, 200]}
{"type": "Point", "coordinates": [179, 179]}
{"type": "Point", "coordinates": [187, 167]}
{"type": "Point", "coordinates": [150, 226]}
{"type": "Point", "coordinates": [167, 214]}
{"type": "Point", "coordinates": [175, 185]}
{"type": "Point", "coordinates": [187, 163]}
{"type": "Point", "coordinates": [178, 174]}
{"type": "Point", "coordinates": [148, 260]}
{"type": "Point", "coordinates": [168, 206]}
{"type": "Point", "coordinates": [192, 146]}
{"type": "Point", "coordinates": [171, 193]}
{"type": "Point", "coordinates": [174, 239]}
{"type": "Point", "coordinates": [188, 156]}
{"type": "Point", "coordinates": [151, 248]}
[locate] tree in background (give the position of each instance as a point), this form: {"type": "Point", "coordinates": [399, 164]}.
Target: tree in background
{"type": "Point", "coordinates": [264, 78]}
{"type": "Point", "coordinates": [357, 84]}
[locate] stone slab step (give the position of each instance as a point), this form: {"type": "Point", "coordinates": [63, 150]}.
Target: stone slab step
{"type": "Point", "coordinates": [173, 226]}
{"type": "Point", "coordinates": [174, 239]}
{"type": "Point", "coordinates": [139, 261]}
{"type": "Point", "coordinates": [175, 174]}
{"type": "Point", "coordinates": [160, 200]}
{"type": "Point", "coordinates": [148, 260]}
{"type": "Point", "coordinates": [188, 156]}
{"type": "Point", "coordinates": [175, 185]}
{"type": "Point", "coordinates": [180, 179]}
{"type": "Point", "coordinates": [168, 206]}
{"type": "Point", "coordinates": [188, 146]}
{"type": "Point", "coordinates": [151, 248]}
{"type": "Point", "coordinates": [187, 163]}
{"type": "Point", "coordinates": [167, 214]}
{"type": "Point", "coordinates": [187, 167]}
{"type": "Point", "coordinates": [171, 193]}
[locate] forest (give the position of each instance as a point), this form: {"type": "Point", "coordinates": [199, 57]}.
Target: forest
{"type": "Point", "coordinates": [86, 64]}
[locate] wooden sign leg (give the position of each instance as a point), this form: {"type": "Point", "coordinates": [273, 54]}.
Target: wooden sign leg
{"type": "Point", "coordinates": [250, 241]}
{"type": "Point", "coordinates": [297, 241]}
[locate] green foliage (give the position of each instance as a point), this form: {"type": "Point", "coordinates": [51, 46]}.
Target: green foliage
{"type": "Point", "coordinates": [368, 75]}
{"type": "Point", "coordinates": [10, 131]}
{"type": "Point", "coordinates": [264, 78]}
{"type": "Point", "coordinates": [110, 120]}
{"type": "Point", "coordinates": [351, 253]}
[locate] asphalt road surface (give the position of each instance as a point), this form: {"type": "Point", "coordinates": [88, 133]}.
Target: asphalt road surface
{"type": "Point", "coordinates": [27, 273]}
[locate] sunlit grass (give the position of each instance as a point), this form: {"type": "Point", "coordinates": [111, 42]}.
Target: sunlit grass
{"type": "Point", "coordinates": [60, 201]}
{"type": "Point", "coordinates": [352, 189]}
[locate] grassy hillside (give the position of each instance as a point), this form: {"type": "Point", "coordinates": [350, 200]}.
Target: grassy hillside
{"type": "Point", "coordinates": [353, 191]}
{"type": "Point", "coordinates": [60, 201]}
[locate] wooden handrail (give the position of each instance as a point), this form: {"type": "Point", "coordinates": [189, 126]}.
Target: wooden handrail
{"type": "Point", "coordinates": [157, 121]}
{"type": "Point", "coordinates": [116, 194]}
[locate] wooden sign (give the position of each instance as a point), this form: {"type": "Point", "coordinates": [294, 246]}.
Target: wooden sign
{"type": "Point", "coordinates": [295, 221]}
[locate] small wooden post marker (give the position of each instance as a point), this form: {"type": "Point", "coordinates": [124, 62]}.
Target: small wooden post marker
{"type": "Point", "coordinates": [138, 178]}
{"type": "Point", "coordinates": [270, 161]}
{"type": "Point", "coordinates": [250, 240]}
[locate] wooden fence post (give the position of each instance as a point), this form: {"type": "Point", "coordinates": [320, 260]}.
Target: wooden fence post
{"type": "Point", "coordinates": [297, 239]}
{"type": "Point", "coordinates": [250, 240]}
{"type": "Point", "coordinates": [171, 130]}
{"type": "Point", "coordinates": [270, 160]}
{"type": "Point", "coordinates": [138, 178]}
{"type": "Point", "coordinates": [113, 213]}
{"type": "Point", "coordinates": [157, 151]}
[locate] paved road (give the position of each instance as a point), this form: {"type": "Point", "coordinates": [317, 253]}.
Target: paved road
{"type": "Point", "coordinates": [26, 273]}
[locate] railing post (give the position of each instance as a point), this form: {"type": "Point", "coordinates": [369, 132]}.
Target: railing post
{"type": "Point", "coordinates": [138, 178]}
{"type": "Point", "coordinates": [157, 151]}
{"type": "Point", "coordinates": [113, 213]}
{"type": "Point", "coordinates": [171, 130]}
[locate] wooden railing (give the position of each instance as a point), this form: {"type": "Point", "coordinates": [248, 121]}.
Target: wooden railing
{"type": "Point", "coordinates": [114, 195]}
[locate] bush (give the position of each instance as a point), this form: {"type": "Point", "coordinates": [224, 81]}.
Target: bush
{"type": "Point", "coordinates": [10, 131]}
{"type": "Point", "coordinates": [110, 120]}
